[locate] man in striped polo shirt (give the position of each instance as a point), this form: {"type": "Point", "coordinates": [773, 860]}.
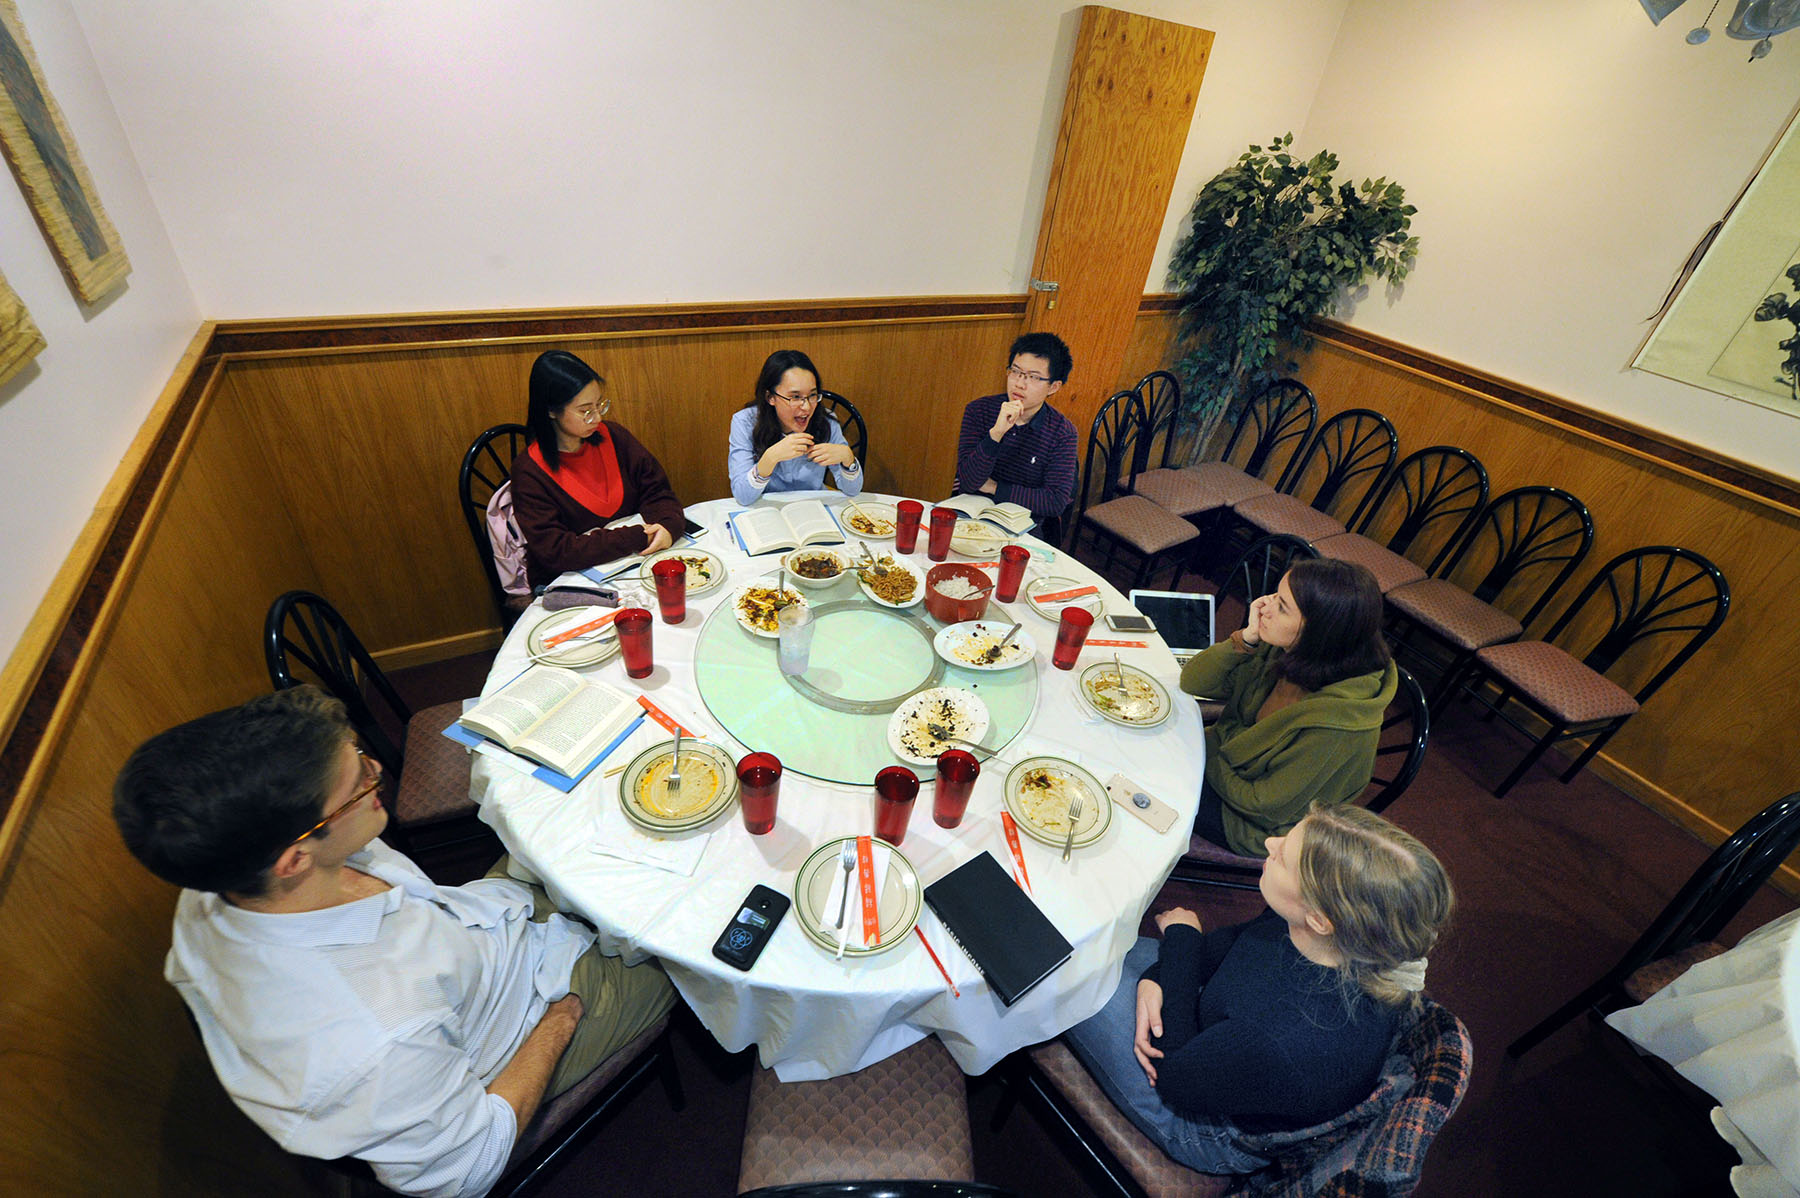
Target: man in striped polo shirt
{"type": "Point", "coordinates": [1016, 447]}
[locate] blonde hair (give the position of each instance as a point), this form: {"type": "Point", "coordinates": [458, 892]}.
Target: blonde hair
{"type": "Point", "coordinates": [1387, 897]}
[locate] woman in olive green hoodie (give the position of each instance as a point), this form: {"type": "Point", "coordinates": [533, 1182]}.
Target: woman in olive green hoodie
{"type": "Point", "coordinates": [1305, 685]}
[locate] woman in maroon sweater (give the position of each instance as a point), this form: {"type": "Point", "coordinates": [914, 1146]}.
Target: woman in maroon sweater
{"type": "Point", "coordinates": [581, 472]}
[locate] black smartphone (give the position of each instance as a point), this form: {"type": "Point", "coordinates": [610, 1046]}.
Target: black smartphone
{"type": "Point", "coordinates": [1130, 624]}
{"type": "Point", "coordinates": [743, 938]}
{"type": "Point", "coordinates": [689, 528]}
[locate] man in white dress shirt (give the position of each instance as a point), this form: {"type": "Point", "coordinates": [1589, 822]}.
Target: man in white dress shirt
{"type": "Point", "coordinates": [349, 1005]}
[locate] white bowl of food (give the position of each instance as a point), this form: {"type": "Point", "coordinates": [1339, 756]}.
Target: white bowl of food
{"type": "Point", "coordinates": [814, 568]}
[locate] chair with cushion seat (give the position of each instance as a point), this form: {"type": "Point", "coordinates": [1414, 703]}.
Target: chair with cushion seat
{"type": "Point", "coordinates": [1160, 393]}
{"type": "Point", "coordinates": [1405, 736]}
{"type": "Point", "coordinates": [1124, 519]}
{"type": "Point", "coordinates": [1524, 546]}
{"type": "Point", "coordinates": [1683, 934]}
{"type": "Point", "coordinates": [856, 433]}
{"type": "Point", "coordinates": [904, 1117]}
{"type": "Point", "coordinates": [1378, 1147]}
{"type": "Point", "coordinates": [1347, 459]}
{"type": "Point", "coordinates": [1421, 512]}
{"type": "Point", "coordinates": [1267, 437]}
{"type": "Point", "coordinates": [485, 468]}
{"type": "Point", "coordinates": [429, 772]}
{"type": "Point", "coordinates": [1663, 594]}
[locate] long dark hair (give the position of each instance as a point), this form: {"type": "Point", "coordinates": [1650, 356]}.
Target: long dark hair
{"type": "Point", "coordinates": [1340, 630]}
{"type": "Point", "coordinates": [557, 377]}
{"type": "Point", "coordinates": [768, 428]}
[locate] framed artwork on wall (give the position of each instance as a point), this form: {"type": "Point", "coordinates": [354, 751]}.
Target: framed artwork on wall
{"type": "Point", "coordinates": [50, 170]}
{"type": "Point", "coordinates": [1721, 331]}
{"type": "Point", "coordinates": [20, 340]}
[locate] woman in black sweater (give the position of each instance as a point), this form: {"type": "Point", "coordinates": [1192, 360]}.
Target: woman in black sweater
{"type": "Point", "coordinates": [1282, 1022]}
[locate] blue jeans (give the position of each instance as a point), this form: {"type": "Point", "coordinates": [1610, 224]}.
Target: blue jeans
{"type": "Point", "coordinates": [1104, 1045]}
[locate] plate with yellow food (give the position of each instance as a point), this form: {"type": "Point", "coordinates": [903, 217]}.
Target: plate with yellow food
{"type": "Point", "coordinates": [756, 605]}
{"type": "Point", "coordinates": [873, 520]}
{"type": "Point", "coordinates": [891, 581]}
{"type": "Point", "coordinates": [705, 572]}
{"type": "Point", "coordinates": [707, 788]}
{"type": "Point", "coordinates": [978, 645]}
{"type": "Point", "coordinates": [1039, 792]}
{"type": "Point", "coordinates": [1124, 694]}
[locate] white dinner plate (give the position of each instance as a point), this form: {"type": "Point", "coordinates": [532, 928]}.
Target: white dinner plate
{"type": "Point", "coordinates": [590, 649]}
{"type": "Point", "coordinates": [709, 785]}
{"type": "Point", "coordinates": [898, 904]}
{"type": "Point", "coordinates": [1145, 703]}
{"type": "Point", "coordinates": [705, 572]}
{"type": "Point", "coordinates": [901, 564]}
{"type": "Point", "coordinates": [958, 712]}
{"type": "Point", "coordinates": [966, 644]}
{"type": "Point", "coordinates": [1052, 610]}
{"type": "Point", "coordinates": [740, 604]}
{"type": "Point", "coordinates": [883, 514]}
{"type": "Point", "coordinates": [1038, 791]}
{"type": "Point", "coordinates": [978, 538]}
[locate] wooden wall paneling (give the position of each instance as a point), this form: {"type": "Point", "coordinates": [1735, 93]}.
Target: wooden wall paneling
{"type": "Point", "coordinates": [100, 1052]}
{"type": "Point", "coordinates": [368, 444]}
{"type": "Point", "coordinates": [1714, 745]}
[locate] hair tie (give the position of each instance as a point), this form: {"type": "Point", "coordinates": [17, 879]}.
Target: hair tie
{"type": "Point", "coordinates": [1408, 975]}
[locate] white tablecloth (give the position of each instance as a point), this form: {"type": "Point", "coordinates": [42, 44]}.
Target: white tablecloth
{"type": "Point", "coordinates": [812, 1016]}
{"type": "Point", "coordinates": [1731, 1025]}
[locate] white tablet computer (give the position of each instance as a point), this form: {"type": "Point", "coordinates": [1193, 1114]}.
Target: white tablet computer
{"type": "Point", "coordinates": [1183, 619]}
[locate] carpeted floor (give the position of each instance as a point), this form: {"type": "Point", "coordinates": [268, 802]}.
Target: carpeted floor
{"type": "Point", "coordinates": [1554, 882]}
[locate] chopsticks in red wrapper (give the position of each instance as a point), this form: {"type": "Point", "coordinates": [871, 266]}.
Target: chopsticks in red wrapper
{"type": "Point", "coordinates": [865, 880]}
{"type": "Point", "coordinates": [551, 642]}
{"type": "Point", "coordinates": [1020, 875]}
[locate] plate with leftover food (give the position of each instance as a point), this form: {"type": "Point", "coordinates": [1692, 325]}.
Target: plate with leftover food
{"type": "Point", "coordinates": [1125, 695]}
{"type": "Point", "coordinates": [933, 720]}
{"type": "Point", "coordinates": [875, 520]}
{"type": "Point", "coordinates": [1049, 595]}
{"type": "Point", "coordinates": [705, 572]}
{"type": "Point", "coordinates": [756, 605]}
{"type": "Point", "coordinates": [707, 788]}
{"type": "Point", "coordinates": [977, 538]}
{"type": "Point", "coordinates": [891, 581]}
{"type": "Point", "coordinates": [1039, 791]}
{"type": "Point", "coordinates": [975, 645]}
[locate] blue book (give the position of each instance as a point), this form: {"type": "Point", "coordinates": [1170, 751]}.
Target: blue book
{"type": "Point", "coordinates": [564, 722]}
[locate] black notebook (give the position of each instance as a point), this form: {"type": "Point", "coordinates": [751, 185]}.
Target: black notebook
{"type": "Point", "coordinates": [1012, 942]}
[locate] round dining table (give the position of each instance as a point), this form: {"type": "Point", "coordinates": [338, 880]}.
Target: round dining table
{"type": "Point", "coordinates": [810, 1014]}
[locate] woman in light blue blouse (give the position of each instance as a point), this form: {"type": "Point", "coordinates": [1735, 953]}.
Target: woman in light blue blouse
{"type": "Point", "coordinates": [782, 440]}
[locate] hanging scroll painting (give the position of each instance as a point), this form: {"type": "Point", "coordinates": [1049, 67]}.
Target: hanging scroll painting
{"type": "Point", "coordinates": [20, 340]}
{"type": "Point", "coordinates": [50, 170]}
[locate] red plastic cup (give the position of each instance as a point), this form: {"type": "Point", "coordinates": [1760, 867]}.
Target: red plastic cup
{"type": "Point", "coordinates": [634, 641]}
{"type": "Point", "coordinates": [1012, 572]}
{"type": "Point", "coordinates": [1071, 635]}
{"type": "Point", "coordinates": [906, 525]}
{"type": "Point", "coordinates": [943, 527]}
{"type": "Point", "coordinates": [956, 774]}
{"type": "Point", "coordinates": [671, 589]}
{"type": "Point", "coordinates": [759, 786]}
{"type": "Point", "coordinates": [895, 789]}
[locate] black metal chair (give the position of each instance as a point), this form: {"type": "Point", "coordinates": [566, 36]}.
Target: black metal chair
{"type": "Point", "coordinates": [1661, 591]}
{"type": "Point", "coordinates": [856, 433]}
{"type": "Point", "coordinates": [1684, 933]}
{"type": "Point", "coordinates": [1405, 736]}
{"type": "Point", "coordinates": [1257, 572]}
{"type": "Point", "coordinates": [1124, 519]}
{"type": "Point", "coordinates": [1515, 558]}
{"type": "Point", "coordinates": [485, 467]}
{"type": "Point", "coordinates": [1160, 392]}
{"type": "Point", "coordinates": [428, 772]}
{"type": "Point", "coordinates": [1343, 465]}
{"type": "Point", "coordinates": [1268, 436]}
{"type": "Point", "coordinates": [1427, 504]}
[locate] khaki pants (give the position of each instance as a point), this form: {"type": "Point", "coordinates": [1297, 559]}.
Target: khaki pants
{"type": "Point", "coordinates": [618, 1002]}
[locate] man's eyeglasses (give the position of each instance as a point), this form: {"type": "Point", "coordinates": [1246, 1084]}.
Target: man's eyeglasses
{"type": "Point", "coordinates": [799, 401]}
{"type": "Point", "coordinates": [1025, 376]}
{"type": "Point", "coordinates": [371, 776]}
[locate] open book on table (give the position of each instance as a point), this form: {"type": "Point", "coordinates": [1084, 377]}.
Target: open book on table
{"type": "Point", "coordinates": [607, 571]}
{"type": "Point", "coordinates": [764, 529]}
{"type": "Point", "coordinates": [552, 716]}
{"type": "Point", "coordinates": [1013, 517]}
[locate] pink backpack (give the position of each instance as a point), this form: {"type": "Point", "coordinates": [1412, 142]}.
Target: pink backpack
{"type": "Point", "coordinates": [507, 542]}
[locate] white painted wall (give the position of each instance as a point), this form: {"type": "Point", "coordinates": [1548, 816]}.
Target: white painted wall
{"type": "Point", "coordinates": [1564, 157]}
{"type": "Point", "coordinates": [67, 420]}
{"type": "Point", "coordinates": [343, 156]}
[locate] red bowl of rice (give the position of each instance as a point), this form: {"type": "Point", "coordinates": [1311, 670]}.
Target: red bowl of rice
{"type": "Point", "coordinates": [955, 611]}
